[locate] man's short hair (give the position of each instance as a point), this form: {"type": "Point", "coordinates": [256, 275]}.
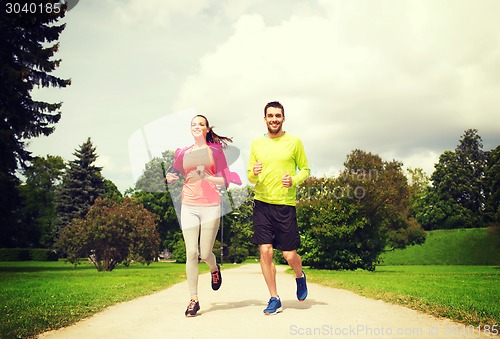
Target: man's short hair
{"type": "Point", "coordinates": [274, 104]}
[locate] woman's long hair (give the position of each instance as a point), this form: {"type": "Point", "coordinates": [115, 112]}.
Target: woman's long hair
{"type": "Point", "coordinates": [214, 137]}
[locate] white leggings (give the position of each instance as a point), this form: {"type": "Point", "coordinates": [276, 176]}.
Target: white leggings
{"type": "Point", "coordinates": [199, 222]}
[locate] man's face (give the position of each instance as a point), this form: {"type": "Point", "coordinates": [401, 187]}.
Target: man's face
{"type": "Point", "coordinates": [274, 120]}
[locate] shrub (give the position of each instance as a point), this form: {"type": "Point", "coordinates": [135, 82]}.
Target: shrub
{"type": "Point", "coordinates": [110, 233]}
{"type": "Point", "coordinates": [25, 254]}
{"type": "Point", "coordinates": [14, 254]}
{"type": "Point", "coordinates": [179, 251]}
{"type": "Point", "coordinates": [235, 254]}
{"type": "Point", "coordinates": [41, 254]}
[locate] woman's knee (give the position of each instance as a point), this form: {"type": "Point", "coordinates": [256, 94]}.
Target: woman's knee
{"type": "Point", "coordinates": [205, 255]}
{"type": "Point", "coordinates": [192, 255]}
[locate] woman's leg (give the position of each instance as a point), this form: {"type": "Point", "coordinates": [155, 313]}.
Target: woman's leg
{"type": "Point", "coordinates": [190, 231]}
{"type": "Point", "coordinates": [210, 220]}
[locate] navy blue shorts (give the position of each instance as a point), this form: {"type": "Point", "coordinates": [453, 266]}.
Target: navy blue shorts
{"type": "Point", "coordinates": [276, 225]}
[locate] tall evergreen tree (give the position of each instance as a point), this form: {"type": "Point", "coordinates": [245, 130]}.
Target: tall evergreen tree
{"type": "Point", "coordinates": [28, 42]}
{"type": "Point", "coordinates": [82, 185]}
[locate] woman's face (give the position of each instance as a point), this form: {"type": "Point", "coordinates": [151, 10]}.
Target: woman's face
{"type": "Point", "coordinates": [199, 128]}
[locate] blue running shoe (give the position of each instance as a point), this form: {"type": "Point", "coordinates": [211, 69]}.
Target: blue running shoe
{"type": "Point", "coordinates": [273, 306]}
{"type": "Point", "coordinates": [301, 287]}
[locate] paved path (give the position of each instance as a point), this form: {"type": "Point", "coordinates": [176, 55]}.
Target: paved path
{"type": "Point", "coordinates": [235, 311]}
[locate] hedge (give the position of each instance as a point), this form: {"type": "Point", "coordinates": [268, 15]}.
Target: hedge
{"type": "Point", "coordinates": [26, 254]}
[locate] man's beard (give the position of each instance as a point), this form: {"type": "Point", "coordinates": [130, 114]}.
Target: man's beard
{"type": "Point", "coordinates": [276, 131]}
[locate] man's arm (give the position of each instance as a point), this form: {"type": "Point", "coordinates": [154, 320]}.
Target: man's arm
{"type": "Point", "coordinates": [302, 165]}
{"type": "Point", "coordinates": [251, 162]}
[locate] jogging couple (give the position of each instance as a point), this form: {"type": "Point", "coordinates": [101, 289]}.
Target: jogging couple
{"type": "Point", "coordinates": [276, 166]}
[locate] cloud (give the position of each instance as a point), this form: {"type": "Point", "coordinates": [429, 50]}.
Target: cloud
{"type": "Point", "coordinates": [403, 79]}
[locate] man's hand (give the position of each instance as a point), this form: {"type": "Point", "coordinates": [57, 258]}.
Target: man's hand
{"type": "Point", "coordinates": [257, 168]}
{"type": "Point", "coordinates": [286, 180]}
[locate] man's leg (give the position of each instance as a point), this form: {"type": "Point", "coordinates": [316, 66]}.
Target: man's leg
{"type": "Point", "coordinates": [295, 262]}
{"type": "Point", "coordinates": [268, 268]}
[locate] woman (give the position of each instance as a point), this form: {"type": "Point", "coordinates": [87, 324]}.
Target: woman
{"type": "Point", "coordinates": [204, 168]}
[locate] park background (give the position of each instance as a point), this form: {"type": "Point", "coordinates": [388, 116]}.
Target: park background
{"type": "Point", "coordinates": [394, 101]}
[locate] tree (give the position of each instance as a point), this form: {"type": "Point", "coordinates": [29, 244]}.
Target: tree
{"type": "Point", "coordinates": [386, 197]}
{"type": "Point", "coordinates": [492, 186]}
{"type": "Point", "coordinates": [458, 184]}
{"type": "Point", "coordinates": [160, 204]}
{"type": "Point", "coordinates": [348, 221]}
{"type": "Point", "coordinates": [111, 233]}
{"type": "Point", "coordinates": [111, 191]}
{"type": "Point", "coordinates": [82, 184]}
{"type": "Point", "coordinates": [151, 179]}
{"type": "Point", "coordinates": [38, 194]}
{"type": "Point", "coordinates": [334, 234]}
{"type": "Point", "coordinates": [419, 183]}
{"type": "Point", "coordinates": [472, 161]}
{"type": "Point", "coordinates": [238, 225]}
{"type": "Point", "coordinates": [27, 46]}
{"type": "Point", "coordinates": [151, 191]}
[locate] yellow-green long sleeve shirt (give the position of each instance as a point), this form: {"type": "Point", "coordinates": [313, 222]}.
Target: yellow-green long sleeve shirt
{"type": "Point", "coordinates": [279, 156]}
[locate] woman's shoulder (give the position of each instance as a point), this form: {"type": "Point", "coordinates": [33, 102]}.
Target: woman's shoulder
{"type": "Point", "coordinates": [181, 151]}
{"type": "Point", "coordinates": [215, 146]}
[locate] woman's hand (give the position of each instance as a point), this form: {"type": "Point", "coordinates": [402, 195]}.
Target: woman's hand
{"type": "Point", "coordinates": [171, 177]}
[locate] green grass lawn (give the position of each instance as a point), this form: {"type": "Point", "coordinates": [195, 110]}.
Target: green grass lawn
{"type": "Point", "coordinates": [468, 246]}
{"type": "Point", "coordinates": [467, 294]}
{"type": "Point", "coordinates": [40, 296]}
{"type": "Point", "coordinates": [436, 277]}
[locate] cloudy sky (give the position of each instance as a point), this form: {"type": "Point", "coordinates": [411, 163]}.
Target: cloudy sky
{"type": "Point", "coordinates": [402, 79]}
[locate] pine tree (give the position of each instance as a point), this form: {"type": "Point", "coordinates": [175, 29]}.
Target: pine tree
{"type": "Point", "coordinates": [82, 185]}
{"type": "Point", "coordinates": [28, 42]}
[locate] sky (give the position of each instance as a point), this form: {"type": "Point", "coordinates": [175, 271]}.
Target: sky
{"type": "Point", "coordinates": [401, 79]}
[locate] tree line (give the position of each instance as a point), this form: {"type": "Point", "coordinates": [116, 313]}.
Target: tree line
{"type": "Point", "coordinates": [346, 221]}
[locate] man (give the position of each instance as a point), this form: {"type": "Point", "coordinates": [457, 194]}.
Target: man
{"type": "Point", "coordinates": [277, 165]}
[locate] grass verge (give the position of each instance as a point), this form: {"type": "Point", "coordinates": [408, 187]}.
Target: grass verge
{"type": "Point", "coordinates": [466, 294]}
{"type": "Point", "coordinates": [466, 246]}
{"type": "Point", "coordinates": [41, 296]}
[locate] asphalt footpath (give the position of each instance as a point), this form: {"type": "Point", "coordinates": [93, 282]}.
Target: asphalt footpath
{"type": "Point", "coordinates": [236, 311]}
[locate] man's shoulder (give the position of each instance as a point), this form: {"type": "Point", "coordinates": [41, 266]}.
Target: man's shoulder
{"type": "Point", "coordinates": [259, 139]}
{"type": "Point", "coordinates": [293, 138]}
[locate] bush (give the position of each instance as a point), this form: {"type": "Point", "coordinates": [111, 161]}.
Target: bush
{"type": "Point", "coordinates": [26, 254]}
{"type": "Point", "coordinates": [112, 233]}
{"type": "Point", "coordinates": [179, 251]}
{"type": "Point", "coordinates": [14, 254]}
{"type": "Point", "coordinates": [40, 254]}
{"type": "Point", "coordinates": [236, 255]}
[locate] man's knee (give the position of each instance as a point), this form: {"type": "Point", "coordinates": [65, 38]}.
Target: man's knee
{"type": "Point", "coordinates": [266, 250]}
{"type": "Point", "coordinates": [290, 256]}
